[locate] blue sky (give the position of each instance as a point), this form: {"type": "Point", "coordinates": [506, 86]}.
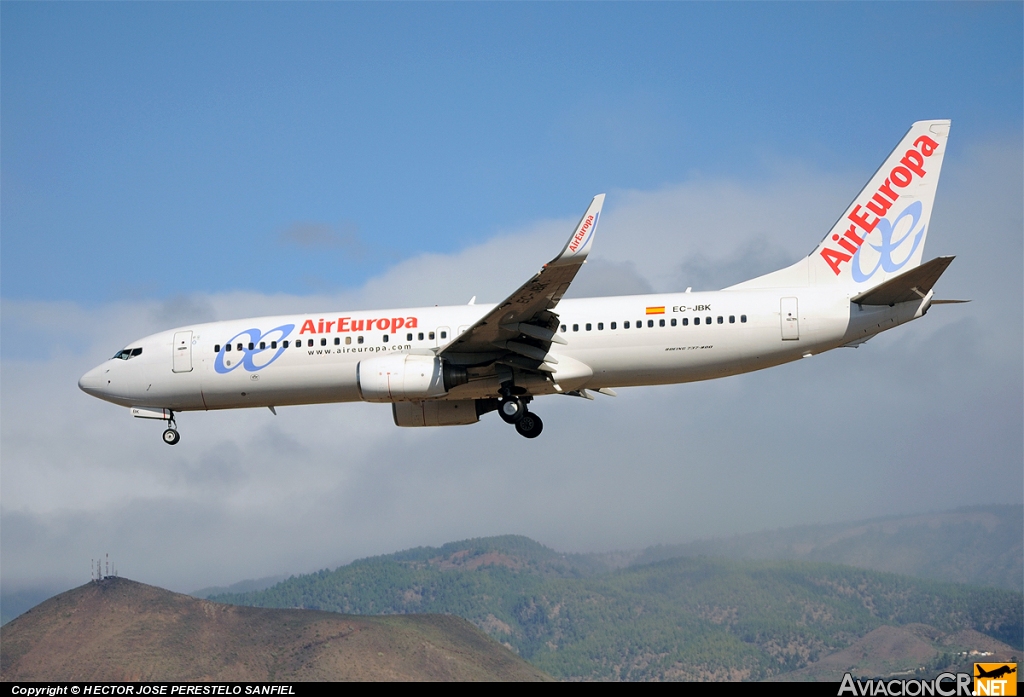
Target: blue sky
{"type": "Point", "coordinates": [152, 149]}
{"type": "Point", "coordinates": [163, 164]}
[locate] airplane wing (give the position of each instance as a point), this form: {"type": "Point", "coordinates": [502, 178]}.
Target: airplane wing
{"type": "Point", "coordinates": [520, 329]}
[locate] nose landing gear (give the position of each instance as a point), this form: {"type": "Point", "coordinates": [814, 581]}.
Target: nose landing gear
{"type": "Point", "coordinates": [171, 435]}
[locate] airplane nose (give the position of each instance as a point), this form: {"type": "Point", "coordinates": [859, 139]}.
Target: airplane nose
{"type": "Point", "coordinates": [92, 382]}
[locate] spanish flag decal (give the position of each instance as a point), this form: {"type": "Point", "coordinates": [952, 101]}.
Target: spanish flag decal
{"type": "Point", "coordinates": [656, 310]}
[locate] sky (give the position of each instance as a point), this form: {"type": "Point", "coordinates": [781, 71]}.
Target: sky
{"type": "Point", "coordinates": [168, 163]}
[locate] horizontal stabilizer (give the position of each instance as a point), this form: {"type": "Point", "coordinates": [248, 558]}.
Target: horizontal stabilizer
{"type": "Point", "coordinates": [907, 287]}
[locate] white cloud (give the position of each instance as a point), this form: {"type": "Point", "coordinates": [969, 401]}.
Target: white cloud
{"type": "Point", "coordinates": [925, 417]}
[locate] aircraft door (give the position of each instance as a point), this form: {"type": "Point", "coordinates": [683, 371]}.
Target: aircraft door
{"type": "Point", "coordinates": [790, 320]}
{"type": "Point", "coordinates": [443, 336]}
{"type": "Point", "coordinates": [182, 352]}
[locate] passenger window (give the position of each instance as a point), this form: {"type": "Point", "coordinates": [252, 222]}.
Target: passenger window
{"type": "Point", "coordinates": [721, 320]}
{"type": "Point", "coordinates": [613, 325]}
{"type": "Point", "coordinates": [600, 326]}
{"type": "Point", "coordinates": [588, 326]}
{"type": "Point", "coordinates": [216, 348]}
{"type": "Point", "coordinates": [625, 325]}
{"type": "Point", "coordinates": [673, 321]}
{"type": "Point", "coordinates": [686, 321]}
{"type": "Point", "coordinates": [273, 344]}
{"type": "Point", "coordinates": [227, 347]}
{"type": "Point", "coordinates": [359, 340]}
{"type": "Point", "coordinates": [707, 320]}
{"type": "Point", "coordinates": [732, 319]}
{"type": "Point", "coordinates": [408, 337]}
{"type": "Point", "coordinates": [251, 346]}
{"type": "Point", "coordinates": [661, 323]}
{"type": "Point", "coordinates": [696, 320]}
{"type": "Point", "coordinates": [431, 336]}
{"type": "Point", "coordinates": [563, 327]}
{"type": "Point", "coordinates": [323, 341]}
{"type": "Point", "coordinates": [639, 323]}
{"type": "Point", "coordinates": [348, 340]}
{"type": "Point", "coordinates": [385, 338]}
{"type": "Point", "coordinates": [263, 345]}
{"type": "Point", "coordinates": [575, 327]}
{"type": "Point", "coordinates": [420, 336]}
{"type": "Point", "coordinates": [650, 323]}
{"type": "Point", "coordinates": [444, 335]}
{"type": "Point", "coordinates": [310, 343]}
{"type": "Point", "coordinates": [284, 344]}
{"type": "Point", "coordinates": [240, 347]}
{"type": "Point", "coordinates": [337, 341]}
{"type": "Point", "coordinates": [743, 318]}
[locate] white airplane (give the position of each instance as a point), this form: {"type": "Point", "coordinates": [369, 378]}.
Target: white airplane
{"type": "Point", "coordinates": [442, 366]}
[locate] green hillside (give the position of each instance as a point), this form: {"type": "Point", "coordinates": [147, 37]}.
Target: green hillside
{"type": "Point", "coordinates": [689, 618]}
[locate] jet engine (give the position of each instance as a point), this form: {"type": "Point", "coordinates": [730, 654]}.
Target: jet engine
{"type": "Point", "coordinates": [402, 377]}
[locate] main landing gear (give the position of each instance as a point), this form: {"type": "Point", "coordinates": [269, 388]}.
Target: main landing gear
{"type": "Point", "coordinates": [530, 425]}
{"type": "Point", "coordinates": [512, 409]}
{"type": "Point", "coordinates": [171, 435]}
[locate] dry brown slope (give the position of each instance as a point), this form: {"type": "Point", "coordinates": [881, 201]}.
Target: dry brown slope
{"type": "Point", "coordinates": [122, 630]}
{"type": "Point", "coordinates": [898, 652]}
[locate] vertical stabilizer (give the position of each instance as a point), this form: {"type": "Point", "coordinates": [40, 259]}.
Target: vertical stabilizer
{"type": "Point", "coordinates": [882, 233]}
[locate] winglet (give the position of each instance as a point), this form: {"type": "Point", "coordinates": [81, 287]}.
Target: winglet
{"type": "Point", "coordinates": [578, 246]}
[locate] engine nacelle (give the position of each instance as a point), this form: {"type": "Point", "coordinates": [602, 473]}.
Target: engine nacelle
{"type": "Point", "coordinates": [455, 412]}
{"type": "Point", "coordinates": [402, 377]}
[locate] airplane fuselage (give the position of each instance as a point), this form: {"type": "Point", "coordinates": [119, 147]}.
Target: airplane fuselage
{"type": "Point", "coordinates": [624, 341]}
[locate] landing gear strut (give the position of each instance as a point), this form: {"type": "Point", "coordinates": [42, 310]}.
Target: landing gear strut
{"type": "Point", "coordinates": [171, 435]}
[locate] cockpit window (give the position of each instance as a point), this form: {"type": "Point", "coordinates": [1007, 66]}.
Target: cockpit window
{"type": "Point", "coordinates": [128, 353]}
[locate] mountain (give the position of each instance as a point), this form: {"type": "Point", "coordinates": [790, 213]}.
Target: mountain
{"type": "Point", "coordinates": [982, 546]}
{"type": "Point", "coordinates": [691, 618]}
{"type": "Point", "coordinates": [116, 630]}
{"type": "Point", "coordinates": [257, 584]}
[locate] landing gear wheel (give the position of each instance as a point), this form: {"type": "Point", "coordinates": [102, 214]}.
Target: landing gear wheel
{"type": "Point", "coordinates": [529, 425]}
{"type": "Point", "coordinates": [171, 436]}
{"type": "Point", "coordinates": [511, 410]}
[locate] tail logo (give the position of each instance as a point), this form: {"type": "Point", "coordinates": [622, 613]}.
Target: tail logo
{"type": "Point", "coordinates": [864, 219]}
{"type": "Point", "coordinates": [888, 246]}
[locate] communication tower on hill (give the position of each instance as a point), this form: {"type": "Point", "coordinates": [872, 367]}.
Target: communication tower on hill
{"type": "Point", "coordinates": [99, 569]}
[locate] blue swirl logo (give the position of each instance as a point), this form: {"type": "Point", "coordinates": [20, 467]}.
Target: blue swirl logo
{"type": "Point", "coordinates": [255, 358]}
{"type": "Point", "coordinates": [888, 246]}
